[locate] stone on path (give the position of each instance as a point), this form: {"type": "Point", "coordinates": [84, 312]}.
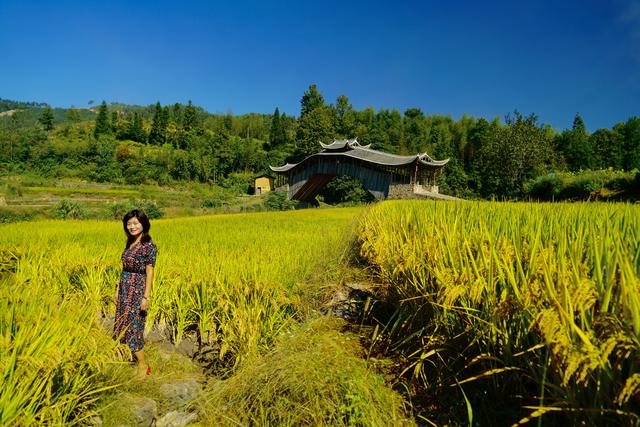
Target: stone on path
{"type": "Point", "coordinates": [181, 392]}
{"type": "Point", "coordinates": [176, 419]}
{"type": "Point", "coordinates": [143, 411]}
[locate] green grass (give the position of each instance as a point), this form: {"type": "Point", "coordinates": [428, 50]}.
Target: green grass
{"type": "Point", "coordinates": [69, 191]}
{"type": "Point", "coordinates": [314, 376]}
{"type": "Point", "coordinates": [33, 198]}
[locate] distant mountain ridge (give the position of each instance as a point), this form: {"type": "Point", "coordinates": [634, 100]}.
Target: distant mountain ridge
{"type": "Point", "coordinates": [8, 104]}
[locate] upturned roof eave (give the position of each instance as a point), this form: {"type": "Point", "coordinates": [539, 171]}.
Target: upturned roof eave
{"type": "Point", "coordinates": [287, 167]}
{"type": "Point", "coordinates": [394, 160]}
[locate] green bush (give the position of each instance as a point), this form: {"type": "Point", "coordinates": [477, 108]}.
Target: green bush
{"type": "Point", "coordinates": [151, 209]}
{"type": "Point", "coordinates": [211, 202]}
{"type": "Point", "coordinates": [15, 215]}
{"type": "Point", "coordinates": [278, 201]}
{"type": "Point", "coordinates": [238, 183]}
{"type": "Point", "coordinates": [545, 187]}
{"type": "Point", "coordinates": [119, 209]}
{"type": "Point", "coordinates": [346, 190]}
{"type": "Point", "coordinates": [70, 209]}
{"type": "Point", "coordinates": [14, 188]}
{"type": "Point", "coordinates": [608, 184]}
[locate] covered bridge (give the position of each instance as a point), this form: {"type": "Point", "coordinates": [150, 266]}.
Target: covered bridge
{"type": "Point", "coordinates": [386, 176]}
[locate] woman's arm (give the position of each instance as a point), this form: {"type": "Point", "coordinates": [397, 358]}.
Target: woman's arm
{"type": "Point", "coordinates": [147, 287]}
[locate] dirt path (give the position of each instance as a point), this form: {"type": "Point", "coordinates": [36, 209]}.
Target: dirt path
{"type": "Point", "coordinates": [168, 397]}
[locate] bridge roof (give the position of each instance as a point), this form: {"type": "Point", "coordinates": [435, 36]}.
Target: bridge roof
{"type": "Point", "coordinates": [351, 148]}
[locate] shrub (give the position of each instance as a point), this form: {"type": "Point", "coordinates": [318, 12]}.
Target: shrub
{"type": "Point", "coordinates": [211, 202]}
{"type": "Point", "coordinates": [14, 188]}
{"type": "Point", "coordinates": [151, 209]}
{"type": "Point", "coordinates": [70, 209]}
{"type": "Point", "coordinates": [119, 209]}
{"type": "Point", "coordinates": [545, 187]}
{"type": "Point", "coordinates": [238, 182]}
{"type": "Point", "coordinates": [584, 185]}
{"type": "Point", "coordinates": [8, 214]}
{"type": "Point", "coordinates": [278, 201]}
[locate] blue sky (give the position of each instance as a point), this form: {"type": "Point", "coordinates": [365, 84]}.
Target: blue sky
{"type": "Point", "coordinates": [485, 59]}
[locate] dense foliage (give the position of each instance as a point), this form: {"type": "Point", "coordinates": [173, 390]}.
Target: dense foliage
{"type": "Point", "coordinates": [164, 144]}
{"type": "Point", "coordinates": [505, 312]}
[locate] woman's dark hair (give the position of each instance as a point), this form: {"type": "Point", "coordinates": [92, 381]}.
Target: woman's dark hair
{"type": "Point", "coordinates": [146, 226]}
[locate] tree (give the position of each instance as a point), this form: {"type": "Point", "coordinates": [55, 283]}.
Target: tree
{"type": "Point", "coordinates": [316, 123]}
{"type": "Point", "coordinates": [414, 133]}
{"type": "Point", "coordinates": [631, 133]}
{"type": "Point", "coordinates": [311, 100]}
{"type": "Point", "coordinates": [115, 121]}
{"type": "Point", "coordinates": [576, 146]}
{"type": "Point", "coordinates": [73, 115]}
{"type": "Point", "coordinates": [479, 135]}
{"type": "Point", "coordinates": [158, 134]}
{"type": "Point", "coordinates": [277, 135]}
{"type": "Point", "coordinates": [441, 141]}
{"type": "Point", "coordinates": [176, 114]}
{"type": "Point", "coordinates": [106, 165]}
{"type": "Point", "coordinates": [47, 119]}
{"type": "Point", "coordinates": [136, 131]}
{"type": "Point", "coordinates": [189, 117]}
{"type": "Point", "coordinates": [315, 127]}
{"type": "Point", "coordinates": [228, 122]}
{"type": "Point", "coordinates": [608, 149]}
{"type": "Point", "coordinates": [346, 189]}
{"type": "Point", "coordinates": [345, 118]}
{"type": "Point", "coordinates": [102, 127]}
{"type": "Point", "coordinates": [516, 152]}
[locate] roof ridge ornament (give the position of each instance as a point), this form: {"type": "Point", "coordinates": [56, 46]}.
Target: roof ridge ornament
{"type": "Point", "coordinates": [425, 157]}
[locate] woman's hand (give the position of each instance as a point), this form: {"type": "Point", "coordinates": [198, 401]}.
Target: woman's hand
{"type": "Point", "coordinates": [144, 304]}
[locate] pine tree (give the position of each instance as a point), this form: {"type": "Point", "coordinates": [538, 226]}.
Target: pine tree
{"type": "Point", "coordinates": [577, 149]}
{"type": "Point", "coordinates": [189, 117]}
{"type": "Point", "coordinates": [136, 131]}
{"type": "Point", "coordinates": [47, 119]}
{"type": "Point", "coordinates": [102, 121]}
{"type": "Point", "coordinates": [176, 114]}
{"type": "Point", "coordinates": [582, 143]}
{"type": "Point", "coordinates": [158, 134]}
{"type": "Point", "coordinates": [277, 135]}
{"type": "Point", "coordinates": [311, 100]}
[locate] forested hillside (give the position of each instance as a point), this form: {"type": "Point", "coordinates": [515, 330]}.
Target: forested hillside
{"type": "Point", "coordinates": [517, 157]}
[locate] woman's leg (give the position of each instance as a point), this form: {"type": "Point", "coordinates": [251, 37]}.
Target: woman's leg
{"type": "Point", "coordinates": [142, 364]}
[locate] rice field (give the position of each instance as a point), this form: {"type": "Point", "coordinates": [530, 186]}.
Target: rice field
{"type": "Point", "coordinates": [529, 312]}
{"type": "Point", "coordinates": [238, 280]}
{"type": "Point", "coordinates": [504, 314]}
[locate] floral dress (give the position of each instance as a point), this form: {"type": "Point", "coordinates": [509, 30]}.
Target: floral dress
{"type": "Point", "coordinates": [129, 321]}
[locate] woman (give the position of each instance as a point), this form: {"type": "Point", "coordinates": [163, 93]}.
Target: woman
{"type": "Point", "coordinates": [134, 289]}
